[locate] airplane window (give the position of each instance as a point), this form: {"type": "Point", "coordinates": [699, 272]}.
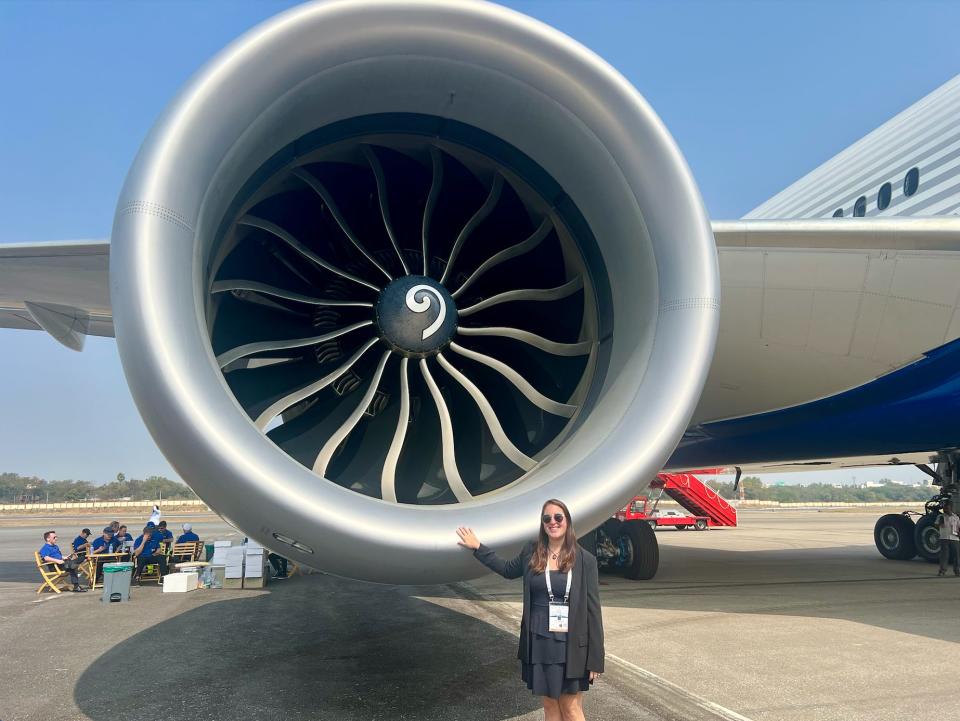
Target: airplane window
{"type": "Point", "coordinates": [860, 207]}
{"type": "Point", "coordinates": [883, 197]}
{"type": "Point", "coordinates": [838, 213]}
{"type": "Point", "coordinates": [911, 182]}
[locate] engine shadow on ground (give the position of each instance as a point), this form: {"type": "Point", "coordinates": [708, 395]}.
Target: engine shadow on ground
{"type": "Point", "coordinates": [849, 583]}
{"type": "Point", "coordinates": [316, 647]}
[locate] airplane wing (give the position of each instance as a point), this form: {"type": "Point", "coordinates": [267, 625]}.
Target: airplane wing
{"type": "Point", "coordinates": [62, 288]}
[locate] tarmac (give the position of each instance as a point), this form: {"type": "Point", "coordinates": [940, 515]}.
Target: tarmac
{"type": "Point", "coordinates": [792, 616]}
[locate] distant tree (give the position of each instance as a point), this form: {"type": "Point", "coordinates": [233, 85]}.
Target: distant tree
{"type": "Point", "coordinates": [120, 477]}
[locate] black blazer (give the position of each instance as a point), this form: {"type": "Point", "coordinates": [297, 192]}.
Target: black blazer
{"type": "Point", "coordinates": [585, 637]}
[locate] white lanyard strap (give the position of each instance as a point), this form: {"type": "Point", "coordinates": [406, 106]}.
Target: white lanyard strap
{"type": "Point", "coordinates": [566, 595]}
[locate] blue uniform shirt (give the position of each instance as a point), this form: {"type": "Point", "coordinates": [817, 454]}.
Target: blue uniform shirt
{"type": "Point", "coordinates": [164, 535]}
{"type": "Point", "coordinates": [188, 537]}
{"type": "Point", "coordinates": [50, 549]}
{"type": "Point", "coordinates": [122, 537]}
{"type": "Point", "coordinates": [101, 545]}
{"type": "Point", "coordinates": [150, 547]}
{"type": "Point", "coordinates": [77, 542]}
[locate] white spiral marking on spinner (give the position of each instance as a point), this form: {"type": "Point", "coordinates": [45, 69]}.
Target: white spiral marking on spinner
{"type": "Point", "coordinates": [421, 304]}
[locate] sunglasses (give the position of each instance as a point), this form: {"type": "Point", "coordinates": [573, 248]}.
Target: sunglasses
{"type": "Point", "coordinates": [557, 517]}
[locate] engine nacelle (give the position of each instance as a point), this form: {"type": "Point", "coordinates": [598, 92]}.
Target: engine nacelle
{"type": "Point", "coordinates": [381, 270]}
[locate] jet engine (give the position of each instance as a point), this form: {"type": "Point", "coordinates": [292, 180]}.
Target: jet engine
{"type": "Point", "coordinates": [384, 269]}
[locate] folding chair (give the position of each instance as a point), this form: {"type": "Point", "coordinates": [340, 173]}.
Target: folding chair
{"type": "Point", "coordinates": [53, 575]}
{"type": "Point", "coordinates": [151, 572]}
{"type": "Point", "coordinates": [182, 552]}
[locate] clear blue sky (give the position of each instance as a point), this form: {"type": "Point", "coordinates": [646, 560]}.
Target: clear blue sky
{"type": "Point", "coordinates": [756, 94]}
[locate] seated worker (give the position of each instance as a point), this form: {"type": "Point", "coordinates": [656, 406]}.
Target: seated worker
{"type": "Point", "coordinates": [115, 525]}
{"type": "Point", "coordinates": [81, 544]}
{"type": "Point", "coordinates": [146, 549]}
{"type": "Point", "coordinates": [188, 536]}
{"type": "Point", "coordinates": [50, 553]}
{"type": "Point", "coordinates": [105, 543]}
{"type": "Point", "coordinates": [279, 564]}
{"type": "Point", "coordinates": [121, 536]}
{"type": "Point", "coordinates": [165, 536]}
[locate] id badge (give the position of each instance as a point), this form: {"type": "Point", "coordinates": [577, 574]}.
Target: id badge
{"type": "Point", "coordinates": [559, 617]}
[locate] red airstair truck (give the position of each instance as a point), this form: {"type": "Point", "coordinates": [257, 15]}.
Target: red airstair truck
{"type": "Point", "coordinates": [706, 509]}
{"type": "Point", "coordinates": [626, 543]}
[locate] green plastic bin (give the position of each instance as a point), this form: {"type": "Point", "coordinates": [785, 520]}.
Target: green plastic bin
{"type": "Point", "coordinates": [116, 582]}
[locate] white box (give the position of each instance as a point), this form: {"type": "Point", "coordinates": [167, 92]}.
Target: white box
{"type": "Point", "coordinates": [180, 582]}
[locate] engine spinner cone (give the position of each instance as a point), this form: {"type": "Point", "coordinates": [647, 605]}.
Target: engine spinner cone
{"type": "Point", "coordinates": [416, 316]}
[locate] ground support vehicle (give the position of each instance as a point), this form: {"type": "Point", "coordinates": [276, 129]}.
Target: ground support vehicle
{"type": "Point", "coordinates": [627, 543]}
{"type": "Point", "coordinates": [641, 508]}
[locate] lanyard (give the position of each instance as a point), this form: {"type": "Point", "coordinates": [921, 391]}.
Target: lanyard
{"type": "Point", "coordinates": [566, 594]}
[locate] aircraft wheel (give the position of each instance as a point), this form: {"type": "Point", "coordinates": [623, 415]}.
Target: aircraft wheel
{"type": "Point", "coordinates": [894, 536]}
{"type": "Point", "coordinates": [642, 552]}
{"type": "Point", "coordinates": [926, 538]}
{"type": "Point", "coordinates": [701, 525]}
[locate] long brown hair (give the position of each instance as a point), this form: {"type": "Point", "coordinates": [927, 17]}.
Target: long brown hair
{"type": "Point", "coordinates": [568, 553]}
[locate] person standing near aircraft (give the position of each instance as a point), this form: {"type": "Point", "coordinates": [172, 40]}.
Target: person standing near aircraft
{"type": "Point", "coordinates": [949, 524]}
{"type": "Point", "coordinates": [561, 634]}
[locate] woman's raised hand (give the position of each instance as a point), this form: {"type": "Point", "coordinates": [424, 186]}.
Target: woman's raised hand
{"type": "Point", "coordinates": [468, 538]}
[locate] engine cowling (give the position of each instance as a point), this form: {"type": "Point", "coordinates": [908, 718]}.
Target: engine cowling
{"type": "Point", "coordinates": [381, 270]}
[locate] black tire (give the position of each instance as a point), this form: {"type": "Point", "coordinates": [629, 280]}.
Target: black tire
{"type": "Point", "coordinates": [701, 525]}
{"type": "Point", "coordinates": [681, 528]}
{"type": "Point", "coordinates": [894, 536]}
{"type": "Point", "coordinates": [926, 538]}
{"type": "Point", "coordinates": [643, 552]}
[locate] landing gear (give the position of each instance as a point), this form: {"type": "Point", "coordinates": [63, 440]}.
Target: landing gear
{"type": "Point", "coordinates": [628, 546]}
{"type": "Point", "coordinates": [894, 534]}
{"type": "Point", "coordinates": [898, 537]}
{"type": "Point", "coordinates": [927, 538]}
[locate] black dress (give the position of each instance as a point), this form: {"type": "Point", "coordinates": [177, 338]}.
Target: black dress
{"type": "Point", "coordinates": [545, 675]}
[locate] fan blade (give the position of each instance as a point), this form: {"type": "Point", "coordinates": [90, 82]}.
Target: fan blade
{"type": "Point", "coordinates": [330, 447]}
{"type": "Point", "coordinates": [534, 294]}
{"type": "Point", "coordinates": [446, 435]}
{"type": "Point", "coordinates": [276, 230]}
{"type": "Point", "coordinates": [322, 191]}
{"type": "Point", "coordinates": [388, 490]}
{"type": "Point", "coordinates": [512, 252]}
{"type": "Point", "coordinates": [221, 286]}
{"type": "Point", "coordinates": [488, 205]}
{"type": "Point", "coordinates": [437, 162]}
{"type": "Point", "coordinates": [490, 416]}
{"type": "Point", "coordinates": [544, 344]}
{"type": "Point", "coordinates": [519, 382]}
{"type": "Point", "coordinates": [291, 399]}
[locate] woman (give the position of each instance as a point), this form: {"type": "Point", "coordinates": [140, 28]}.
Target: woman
{"type": "Point", "coordinates": [556, 665]}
